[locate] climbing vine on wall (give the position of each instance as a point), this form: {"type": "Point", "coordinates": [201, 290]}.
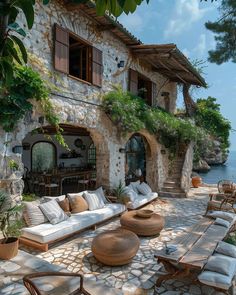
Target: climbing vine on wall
{"type": "Point", "coordinates": [130, 113]}
{"type": "Point", "coordinates": [16, 100]}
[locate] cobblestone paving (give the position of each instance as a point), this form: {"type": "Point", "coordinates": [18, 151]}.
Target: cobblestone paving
{"type": "Point", "coordinates": [75, 254]}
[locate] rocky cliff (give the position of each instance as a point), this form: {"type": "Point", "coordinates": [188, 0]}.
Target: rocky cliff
{"type": "Point", "coordinates": [213, 155]}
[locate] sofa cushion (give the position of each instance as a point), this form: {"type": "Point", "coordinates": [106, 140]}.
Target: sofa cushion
{"type": "Point", "coordinates": [221, 264]}
{"type": "Point", "coordinates": [130, 193]}
{"type": "Point", "coordinates": [134, 186]}
{"type": "Point", "coordinates": [49, 198]}
{"type": "Point", "coordinates": [141, 200]}
{"type": "Point", "coordinates": [144, 188]}
{"type": "Point", "coordinates": [45, 233]}
{"type": "Point", "coordinates": [64, 204]}
{"type": "Point", "coordinates": [53, 212]}
{"type": "Point", "coordinates": [32, 214]}
{"type": "Point", "coordinates": [215, 279]}
{"type": "Point", "coordinates": [77, 203]}
{"type": "Point", "coordinates": [94, 201]}
{"type": "Point", "coordinates": [226, 249]}
{"type": "Point", "coordinates": [100, 193]}
{"type": "Point", "coordinates": [221, 214]}
{"type": "Point", "coordinates": [222, 222]}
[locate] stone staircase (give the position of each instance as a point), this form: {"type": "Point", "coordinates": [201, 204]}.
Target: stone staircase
{"type": "Point", "coordinates": [171, 187]}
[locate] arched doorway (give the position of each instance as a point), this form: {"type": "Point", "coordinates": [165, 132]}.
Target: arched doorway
{"type": "Point", "coordinates": [135, 157]}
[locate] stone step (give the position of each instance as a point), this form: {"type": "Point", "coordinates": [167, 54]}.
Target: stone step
{"type": "Point", "coordinates": [172, 189]}
{"type": "Point", "coordinates": [171, 195]}
{"type": "Point", "coordinates": [171, 183]}
{"type": "Point", "coordinates": [173, 179]}
{"type": "Point", "coordinates": [174, 176]}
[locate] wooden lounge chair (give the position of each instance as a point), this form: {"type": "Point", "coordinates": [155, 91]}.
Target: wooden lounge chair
{"type": "Point", "coordinates": [33, 289]}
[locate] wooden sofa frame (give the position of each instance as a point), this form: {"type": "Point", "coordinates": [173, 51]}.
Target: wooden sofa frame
{"type": "Point", "coordinates": [45, 246]}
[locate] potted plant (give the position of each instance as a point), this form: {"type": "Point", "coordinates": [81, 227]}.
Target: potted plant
{"type": "Point", "coordinates": [119, 193]}
{"type": "Point", "coordinates": [196, 181]}
{"type": "Point", "coordinates": [10, 225]}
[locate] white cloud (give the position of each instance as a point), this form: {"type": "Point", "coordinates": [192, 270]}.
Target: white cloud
{"type": "Point", "coordinates": [200, 49]}
{"type": "Point", "coordinates": [186, 13]}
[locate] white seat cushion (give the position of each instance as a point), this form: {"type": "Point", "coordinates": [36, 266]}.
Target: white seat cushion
{"type": "Point", "coordinates": [45, 233]}
{"type": "Point", "coordinates": [226, 249]}
{"type": "Point", "coordinates": [144, 189]}
{"type": "Point", "coordinates": [141, 200]}
{"type": "Point", "coordinates": [221, 264]}
{"type": "Point", "coordinates": [129, 192]}
{"type": "Point", "coordinates": [221, 214]}
{"type": "Point", "coordinates": [215, 279]}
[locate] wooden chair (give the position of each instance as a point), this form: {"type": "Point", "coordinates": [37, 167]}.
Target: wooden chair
{"type": "Point", "coordinates": [33, 289]}
{"type": "Point", "coordinates": [51, 184]}
{"type": "Point", "coordinates": [84, 180]}
{"type": "Point", "coordinates": [225, 186]}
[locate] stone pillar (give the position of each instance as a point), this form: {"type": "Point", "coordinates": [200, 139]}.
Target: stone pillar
{"type": "Point", "coordinates": [187, 169]}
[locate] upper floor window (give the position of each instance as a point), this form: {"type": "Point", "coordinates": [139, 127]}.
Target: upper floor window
{"type": "Point", "coordinates": [142, 86]}
{"type": "Point", "coordinates": [77, 57]}
{"type": "Point", "coordinates": [92, 154]}
{"type": "Point", "coordinates": [43, 156]}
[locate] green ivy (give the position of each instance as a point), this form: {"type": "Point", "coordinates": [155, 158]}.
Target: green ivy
{"type": "Point", "coordinates": [16, 100]}
{"type": "Point", "coordinates": [130, 113]}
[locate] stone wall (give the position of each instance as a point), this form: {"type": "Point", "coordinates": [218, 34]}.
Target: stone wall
{"type": "Point", "coordinates": [187, 169]}
{"type": "Point", "coordinates": [78, 103]}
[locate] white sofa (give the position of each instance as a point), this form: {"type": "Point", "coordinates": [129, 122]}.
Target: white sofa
{"type": "Point", "coordinates": [42, 235]}
{"type": "Point", "coordinates": [141, 200]}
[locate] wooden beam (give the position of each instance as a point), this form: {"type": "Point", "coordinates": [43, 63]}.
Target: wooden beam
{"type": "Point", "coordinates": [169, 69]}
{"type": "Point", "coordinates": [102, 28]}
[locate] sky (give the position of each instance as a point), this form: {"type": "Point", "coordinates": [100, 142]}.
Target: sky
{"type": "Point", "coordinates": [182, 22]}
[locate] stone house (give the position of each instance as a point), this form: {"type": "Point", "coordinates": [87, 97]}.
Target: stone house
{"type": "Point", "coordinates": [84, 55]}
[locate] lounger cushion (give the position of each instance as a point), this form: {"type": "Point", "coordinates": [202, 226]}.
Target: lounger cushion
{"type": "Point", "coordinates": [134, 186]}
{"type": "Point", "coordinates": [222, 222]}
{"type": "Point", "coordinates": [53, 212]}
{"type": "Point", "coordinates": [93, 200]}
{"type": "Point", "coordinates": [221, 214]}
{"type": "Point", "coordinates": [226, 249]}
{"type": "Point", "coordinates": [32, 214]}
{"type": "Point", "coordinates": [141, 200]}
{"type": "Point", "coordinates": [221, 264]}
{"type": "Point", "coordinates": [129, 192]}
{"type": "Point", "coordinates": [215, 279]}
{"type": "Point", "coordinates": [45, 233]}
{"type": "Point", "coordinates": [144, 188]}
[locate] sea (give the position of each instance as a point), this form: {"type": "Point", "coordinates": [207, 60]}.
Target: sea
{"type": "Point", "coordinates": [219, 172]}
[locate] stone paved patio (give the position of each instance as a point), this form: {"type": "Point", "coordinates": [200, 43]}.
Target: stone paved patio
{"type": "Point", "coordinates": [75, 254]}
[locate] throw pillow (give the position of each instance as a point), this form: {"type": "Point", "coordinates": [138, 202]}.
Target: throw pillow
{"type": "Point", "coordinates": [77, 203]}
{"type": "Point", "coordinates": [223, 265]}
{"type": "Point", "coordinates": [65, 204]}
{"type": "Point", "coordinates": [32, 214]}
{"type": "Point", "coordinates": [53, 212]}
{"type": "Point", "coordinates": [100, 193]}
{"type": "Point", "coordinates": [134, 186]}
{"type": "Point", "coordinates": [226, 249]}
{"type": "Point", "coordinates": [129, 192]}
{"type": "Point", "coordinates": [94, 201]}
{"type": "Point", "coordinates": [223, 222]}
{"type": "Point", "coordinates": [144, 188]}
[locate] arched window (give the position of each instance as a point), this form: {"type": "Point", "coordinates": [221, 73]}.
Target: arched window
{"type": "Point", "coordinates": [43, 156]}
{"type": "Point", "coordinates": [136, 154]}
{"type": "Point", "coordinates": [92, 154]}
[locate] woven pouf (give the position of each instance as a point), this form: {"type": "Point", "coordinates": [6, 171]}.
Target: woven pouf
{"type": "Point", "coordinates": [142, 226]}
{"type": "Point", "coordinates": [115, 247]}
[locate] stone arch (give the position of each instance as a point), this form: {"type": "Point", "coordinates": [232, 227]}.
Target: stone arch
{"type": "Point", "coordinates": [153, 163]}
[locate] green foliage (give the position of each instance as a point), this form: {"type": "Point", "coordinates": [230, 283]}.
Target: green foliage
{"type": "Point", "coordinates": [29, 197]}
{"type": "Point", "coordinates": [119, 193]}
{"type": "Point", "coordinates": [130, 113]}
{"type": "Point", "coordinates": [231, 239]}
{"type": "Point", "coordinates": [114, 7]}
{"type": "Point", "coordinates": [15, 99]}
{"type": "Point", "coordinates": [13, 165]}
{"type": "Point", "coordinates": [10, 224]}
{"type": "Point", "coordinates": [224, 30]}
{"type": "Point", "coordinates": [209, 117]}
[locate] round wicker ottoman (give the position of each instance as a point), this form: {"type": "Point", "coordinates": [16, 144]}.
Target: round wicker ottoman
{"type": "Point", "coordinates": [142, 226]}
{"type": "Point", "coordinates": [115, 247]}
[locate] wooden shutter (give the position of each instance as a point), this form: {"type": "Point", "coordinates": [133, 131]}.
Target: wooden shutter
{"type": "Point", "coordinates": [151, 92]}
{"type": "Point", "coordinates": [133, 81]}
{"type": "Point", "coordinates": [97, 67]}
{"type": "Point", "coordinates": [61, 49]}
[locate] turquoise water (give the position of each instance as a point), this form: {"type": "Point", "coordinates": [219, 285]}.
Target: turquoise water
{"type": "Point", "coordinates": [226, 171]}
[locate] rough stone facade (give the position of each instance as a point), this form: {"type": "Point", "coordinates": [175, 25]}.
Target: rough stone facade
{"type": "Point", "coordinates": [78, 103]}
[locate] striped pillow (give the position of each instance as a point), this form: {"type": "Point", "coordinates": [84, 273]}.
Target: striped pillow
{"type": "Point", "coordinates": [53, 212]}
{"type": "Point", "coordinates": [32, 214]}
{"type": "Point", "coordinates": [94, 201]}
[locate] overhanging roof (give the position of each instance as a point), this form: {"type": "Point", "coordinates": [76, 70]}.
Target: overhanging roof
{"type": "Point", "coordinates": [168, 60]}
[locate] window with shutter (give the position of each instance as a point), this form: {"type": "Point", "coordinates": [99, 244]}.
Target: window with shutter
{"type": "Point", "coordinates": [151, 92]}
{"type": "Point", "coordinates": [97, 67]}
{"type": "Point", "coordinates": [61, 49]}
{"type": "Point", "coordinates": [133, 81]}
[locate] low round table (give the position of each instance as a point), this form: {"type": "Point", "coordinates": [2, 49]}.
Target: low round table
{"type": "Point", "coordinates": [142, 226]}
{"type": "Point", "coordinates": [115, 247]}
